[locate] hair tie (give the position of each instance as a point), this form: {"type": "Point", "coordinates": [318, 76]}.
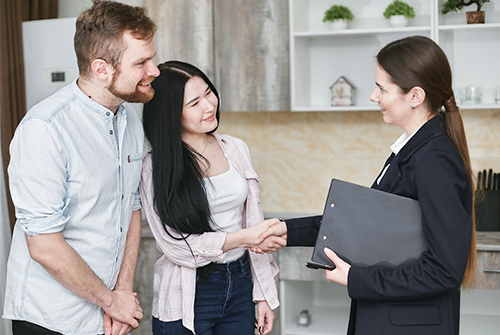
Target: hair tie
{"type": "Point", "coordinates": [450, 104]}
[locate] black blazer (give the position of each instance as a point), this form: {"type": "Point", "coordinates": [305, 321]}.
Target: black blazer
{"type": "Point", "coordinates": [422, 297]}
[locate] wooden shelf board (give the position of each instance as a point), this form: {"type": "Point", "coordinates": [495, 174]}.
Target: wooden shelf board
{"type": "Point", "coordinates": [361, 31]}
{"type": "Point", "coordinates": [481, 106]}
{"type": "Point", "coordinates": [469, 26]}
{"type": "Point", "coordinates": [375, 108]}
{"type": "Point", "coordinates": [335, 109]}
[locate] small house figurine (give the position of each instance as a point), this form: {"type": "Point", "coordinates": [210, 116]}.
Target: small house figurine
{"type": "Point", "coordinates": [343, 92]}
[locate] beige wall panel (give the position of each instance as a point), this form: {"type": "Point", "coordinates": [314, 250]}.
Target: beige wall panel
{"type": "Point", "coordinates": [252, 61]}
{"type": "Point", "coordinates": [185, 31]}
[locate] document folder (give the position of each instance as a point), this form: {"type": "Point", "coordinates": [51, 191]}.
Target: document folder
{"type": "Point", "coordinates": [365, 226]}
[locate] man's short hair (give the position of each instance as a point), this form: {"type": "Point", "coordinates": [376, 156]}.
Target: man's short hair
{"type": "Point", "coordinates": [100, 29]}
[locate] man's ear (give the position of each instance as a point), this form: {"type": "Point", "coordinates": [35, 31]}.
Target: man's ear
{"type": "Point", "coordinates": [417, 96]}
{"type": "Point", "coordinates": [101, 69]}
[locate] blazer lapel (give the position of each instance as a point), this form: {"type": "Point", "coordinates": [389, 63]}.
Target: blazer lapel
{"type": "Point", "coordinates": [391, 176]}
{"type": "Point", "coordinates": [433, 128]}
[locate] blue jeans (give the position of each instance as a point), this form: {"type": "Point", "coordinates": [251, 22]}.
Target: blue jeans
{"type": "Point", "coordinates": [223, 303]}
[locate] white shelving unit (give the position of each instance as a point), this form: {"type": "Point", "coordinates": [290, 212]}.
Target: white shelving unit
{"type": "Point", "coordinates": [480, 312]}
{"type": "Point", "coordinates": [318, 55]}
{"type": "Point", "coordinates": [327, 303]}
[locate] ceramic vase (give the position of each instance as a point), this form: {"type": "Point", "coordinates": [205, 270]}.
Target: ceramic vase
{"type": "Point", "coordinates": [398, 21]}
{"type": "Point", "coordinates": [339, 24]}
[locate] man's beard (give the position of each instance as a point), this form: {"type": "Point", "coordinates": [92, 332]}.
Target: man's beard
{"type": "Point", "coordinates": [135, 96]}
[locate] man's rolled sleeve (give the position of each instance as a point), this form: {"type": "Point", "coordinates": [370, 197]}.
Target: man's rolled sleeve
{"type": "Point", "coordinates": [137, 201]}
{"type": "Point", "coordinates": [38, 176]}
{"type": "Point", "coordinates": [46, 225]}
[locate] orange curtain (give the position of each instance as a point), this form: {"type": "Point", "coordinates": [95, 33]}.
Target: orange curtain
{"type": "Point", "coordinates": [12, 90]}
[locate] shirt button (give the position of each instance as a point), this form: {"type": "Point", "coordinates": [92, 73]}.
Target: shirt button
{"type": "Point", "coordinates": [121, 229]}
{"type": "Point", "coordinates": [122, 196]}
{"type": "Point", "coordinates": [111, 132]}
{"type": "Point", "coordinates": [107, 113]}
{"type": "Point", "coordinates": [116, 260]}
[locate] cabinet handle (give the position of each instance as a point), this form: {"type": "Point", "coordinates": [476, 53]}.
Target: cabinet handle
{"type": "Point", "coordinates": [492, 270]}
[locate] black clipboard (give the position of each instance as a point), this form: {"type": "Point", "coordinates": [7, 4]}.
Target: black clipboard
{"type": "Point", "coordinates": [365, 226]}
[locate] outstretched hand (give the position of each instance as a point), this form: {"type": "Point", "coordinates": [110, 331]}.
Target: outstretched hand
{"type": "Point", "coordinates": [340, 274]}
{"type": "Point", "coordinates": [278, 229]}
{"type": "Point", "coordinates": [272, 239]}
{"type": "Point", "coordinates": [269, 245]}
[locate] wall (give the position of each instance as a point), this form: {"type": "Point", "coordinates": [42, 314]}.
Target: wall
{"type": "Point", "coordinates": [73, 8]}
{"type": "Point", "coordinates": [296, 154]}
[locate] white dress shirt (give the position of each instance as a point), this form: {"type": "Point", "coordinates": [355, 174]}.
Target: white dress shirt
{"type": "Point", "coordinates": [396, 148]}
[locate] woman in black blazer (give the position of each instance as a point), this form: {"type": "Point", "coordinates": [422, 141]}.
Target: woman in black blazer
{"type": "Point", "coordinates": [430, 163]}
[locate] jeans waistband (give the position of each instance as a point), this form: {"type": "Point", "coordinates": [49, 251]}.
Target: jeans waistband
{"type": "Point", "coordinates": [236, 265]}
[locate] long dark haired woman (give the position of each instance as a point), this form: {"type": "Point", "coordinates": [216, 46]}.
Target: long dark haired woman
{"type": "Point", "coordinates": [199, 191]}
{"type": "Point", "coordinates": [430, 163]}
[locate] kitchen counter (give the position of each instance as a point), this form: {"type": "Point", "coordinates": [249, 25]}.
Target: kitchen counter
{"type": "Point", "coordinates": [488, 260]}
{"type": "Point", "coordinates": [488, 241]}
{"type": "Point", "coordinates": [292, 262]}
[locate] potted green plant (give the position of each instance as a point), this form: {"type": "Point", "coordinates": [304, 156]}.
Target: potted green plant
{"type": "Point", "coordinates": [473, 16]}
{"type": "Point", "coordinates": [338, 16]}
{"type": "Point", "coordinates": [399, 13]}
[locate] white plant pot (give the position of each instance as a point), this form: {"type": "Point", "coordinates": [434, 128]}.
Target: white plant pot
{"type": "Point", "coordinates": [398, 21]}
{"type": "Point", "coordinates": [338, 24]}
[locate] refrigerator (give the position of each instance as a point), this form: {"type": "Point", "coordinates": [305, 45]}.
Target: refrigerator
{"type": "Point", "coordinates": [49, 57]}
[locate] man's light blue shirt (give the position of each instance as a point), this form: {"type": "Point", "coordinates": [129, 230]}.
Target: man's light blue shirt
{"type": "Point", "coordinates": [68, 174]}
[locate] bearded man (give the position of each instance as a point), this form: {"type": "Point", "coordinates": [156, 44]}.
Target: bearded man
{"type": "Point", "coordinates": [75, 167]}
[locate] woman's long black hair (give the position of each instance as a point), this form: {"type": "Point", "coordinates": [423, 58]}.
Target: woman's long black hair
{"type": "Point", "coordinates": [180, 198]}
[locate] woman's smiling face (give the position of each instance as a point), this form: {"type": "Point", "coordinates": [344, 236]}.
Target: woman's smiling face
{"type": "Point", "coordinates": [395, 105]}
{"type": "Point", "coordinates": [200, 107]}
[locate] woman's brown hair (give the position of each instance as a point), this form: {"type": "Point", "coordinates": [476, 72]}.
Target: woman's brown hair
{"type": "Point", "coordinates": [419, 61]}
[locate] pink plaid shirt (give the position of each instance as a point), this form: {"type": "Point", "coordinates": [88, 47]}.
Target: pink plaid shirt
{"type": "Point", "coordinates": [175, 271]}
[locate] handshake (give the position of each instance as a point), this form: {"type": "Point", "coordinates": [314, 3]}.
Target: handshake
{"type": "Point", "coordinates": [267, 236]}
{"type": "Point", "coordinates": [271, 235]}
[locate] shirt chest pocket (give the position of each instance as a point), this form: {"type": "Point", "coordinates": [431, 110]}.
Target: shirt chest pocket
{"type": "Point", "coordinates": [132, 171]}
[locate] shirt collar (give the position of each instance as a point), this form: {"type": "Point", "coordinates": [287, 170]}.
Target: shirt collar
{"type": "Point", "coordinates": [93, 105]}
{"type": "Point", "coordinates": [401, 142]}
